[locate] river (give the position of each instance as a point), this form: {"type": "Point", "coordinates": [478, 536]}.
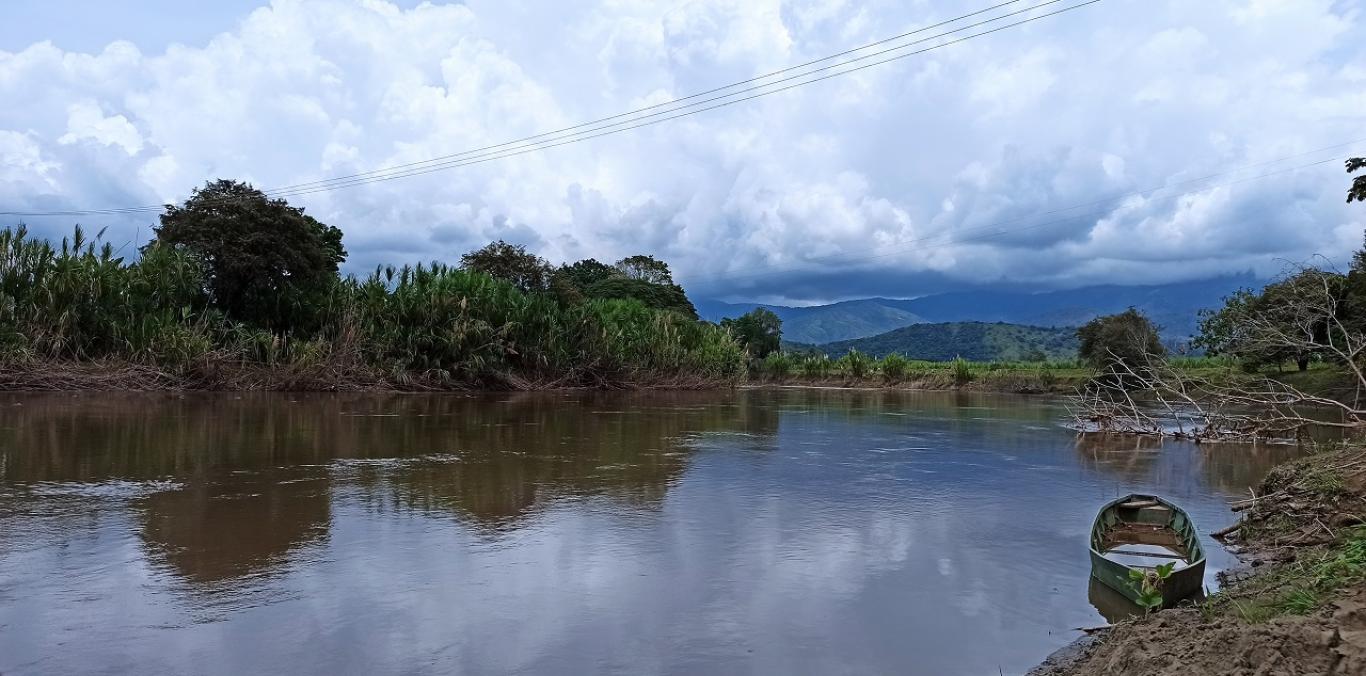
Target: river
{"type": "Point", "coordinates": [797, 531]}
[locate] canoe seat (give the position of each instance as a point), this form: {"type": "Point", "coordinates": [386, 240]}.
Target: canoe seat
{"type": "Point", "coordinates": [1156, 555]}
{"type": "Point", "coordinates": [1138, 504]}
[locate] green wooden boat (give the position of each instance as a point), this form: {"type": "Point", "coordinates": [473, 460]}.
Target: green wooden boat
{"type": "Point", "coordinates": [1138, 532]}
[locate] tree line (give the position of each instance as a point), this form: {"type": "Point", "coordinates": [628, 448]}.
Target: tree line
{"type": "Point", "coordinates": [238, 289]}
{"type": "Point", "coordinates": [1312, 314]}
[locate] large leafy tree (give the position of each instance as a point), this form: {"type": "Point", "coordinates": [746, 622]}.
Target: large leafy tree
{"type": "Point", "coordinates": [658, 296]}
{"type": "Point", "coordinates": [265, 262]}
{"type": "Point", "coordinates": [511, 263]}
{"type": "Point", "coordinates": [760, 330]}
{"type": "Point", "coordinates": [1288, 320]}
{"type": "Point", "coordinates": [585, 273]}
{"type": "Point", "coordinates": [646, 268]}
{"type": "Point", "coordinates": [1119, 341]}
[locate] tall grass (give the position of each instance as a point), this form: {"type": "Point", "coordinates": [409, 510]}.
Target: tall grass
{"type": "Point", "coordinates": [856, 364]}
{"type": "Point", "coordinates": [81, 301]}
{"type": "Point", "coordinates": [894, 366]}
{"type": "Point", "coordinates": [777, 365]}
{"type": "Point", "coordinates": [429, 323]}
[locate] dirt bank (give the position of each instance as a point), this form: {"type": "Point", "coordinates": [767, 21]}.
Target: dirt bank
{"type": "Point", "coordinates": [1300, 610]}
{"type": "Point", "coordinates": [228, 375]}
{"type": "Point", "coordinates": [235, 376]}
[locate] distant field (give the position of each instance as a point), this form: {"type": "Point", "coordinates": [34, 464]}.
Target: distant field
{"type": "Point", "coordinates": [1055, 375]}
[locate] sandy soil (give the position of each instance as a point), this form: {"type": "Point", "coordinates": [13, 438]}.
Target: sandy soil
{"type": "Point", "coordinates": [1181, 642]}
{"type": "Point", "coordinates": [1291, 515]}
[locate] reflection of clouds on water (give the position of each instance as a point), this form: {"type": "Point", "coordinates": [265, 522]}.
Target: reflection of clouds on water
{"type": "Point", "coordinates": [767, 532]}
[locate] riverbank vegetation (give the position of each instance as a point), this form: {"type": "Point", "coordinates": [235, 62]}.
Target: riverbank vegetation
{"type": "Point", "coordinates": [856, 369]}
{"type": "Point", "coordinates": [1302, 607]}
{"type": "Point", "coordinates": [1312, 315]}
{"type": "Point", "coordinates": [239, 291]}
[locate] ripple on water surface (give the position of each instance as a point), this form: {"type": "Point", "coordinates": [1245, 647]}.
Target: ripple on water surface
{"type": "Point", "coordinates": [771, 532]}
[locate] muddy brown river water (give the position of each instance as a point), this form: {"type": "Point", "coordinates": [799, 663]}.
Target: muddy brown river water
{"type": "Point", "coordinates": [755, 531]}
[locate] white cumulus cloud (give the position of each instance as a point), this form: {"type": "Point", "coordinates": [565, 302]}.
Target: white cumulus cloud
{"type": "Point", "coordinates": [958, 166]}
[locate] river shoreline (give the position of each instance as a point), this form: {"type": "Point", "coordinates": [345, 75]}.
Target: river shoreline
{"type": "Point", "coordinates": [232, 376]}
{"type": "Point", "coordinates": [1298, 605]}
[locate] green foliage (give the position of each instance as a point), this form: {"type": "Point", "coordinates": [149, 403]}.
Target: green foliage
{"type": "Point", "coordinates": [894, 366]}
{"type": "Point", "coordinates": [855, 364]}
{"type": "Point", "coordinates": [1303, 586]}
{"type": "Point", "coordinates": [585, 273]}
{"type": "Point", "coordinates": [264, 262]}
{"type": "Point", "coordinates": [816, 366]}
{"type": "Point", "coordinates": [1357, 192]}
{"type": "Point", "coordinates": [430, 322]}
{"type": "Point", "coordinates": [83, 302]}
{"type": "Point", "coordinates": [1222, 330]}
{"type": "Point", "coordinates": [646, 269]}
{"type": "Point", "coordinates": [1127, 339]}
{"type": "Point", "coordinates": [511, 263]}
{"type": "Point", "coordinates": [1285, 321]}
{"type": "Point", "coordinates": [1148, 585]}
{"type": "Point", "coordinates": [777, 364]}
{"type": "Point", "coordinates": [759, 330]}
{"type": "Point", "coordinates": [464, 325]}
{"type": "Point", "coordinates": [658, 296]}
{"type": "Point", "coordinates": [962, 371]}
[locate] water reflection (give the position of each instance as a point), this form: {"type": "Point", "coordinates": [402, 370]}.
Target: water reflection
{"type": "Point", "coordinates": [252, 475]}
{"type": "Point", "coordinates": [235, 525]}
{"type": "Point", "coordinates": [1128, 457]}
{"type": "Point", "coordinates": [795, 531]}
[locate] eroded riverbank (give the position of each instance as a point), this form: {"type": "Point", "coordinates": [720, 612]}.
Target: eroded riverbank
{"type": "Point", "coordinates": [229, 376]}
{"type": "Point", "coordinates": [1300, 608]}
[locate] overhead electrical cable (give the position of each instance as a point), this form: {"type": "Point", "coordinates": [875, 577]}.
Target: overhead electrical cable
{"type": "Point", "coordinates": [593, 129]}
{"type": "Point", "coordinates": [685, 111]}
{"type": "Point", "coordinates": [670, 102]}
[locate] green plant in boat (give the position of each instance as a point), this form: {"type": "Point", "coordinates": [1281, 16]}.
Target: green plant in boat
{"type": "Point", "coordinates": [1149, 583]}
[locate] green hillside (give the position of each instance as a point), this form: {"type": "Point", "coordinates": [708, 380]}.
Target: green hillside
{"type": "Point", "coordinates": [844, 321]}
{"type": "Point", "coordinates": [1175, 308]}
{"type": "Point", "coordinates": [974, 341]}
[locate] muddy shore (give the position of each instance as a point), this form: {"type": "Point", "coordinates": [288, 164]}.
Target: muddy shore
{"type": "Point", "coordinates": [238, 377]}
{"type": "Point", "coordinates": [1298, 608]}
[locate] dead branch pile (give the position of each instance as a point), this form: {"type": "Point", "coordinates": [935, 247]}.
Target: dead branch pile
{"type": "Point", "coordinates": [1305, 503]}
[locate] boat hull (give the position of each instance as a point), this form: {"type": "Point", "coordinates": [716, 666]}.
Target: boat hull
{"type": "Point", "coordinates": [1171, 526]}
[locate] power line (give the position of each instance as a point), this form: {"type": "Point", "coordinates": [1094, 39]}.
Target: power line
{"type": "Point", "coordinates": [625, 125]}
{"type": "Point", "coordinates": [671, 102]}
{"type": "Point", "coordinates": [684, 111]}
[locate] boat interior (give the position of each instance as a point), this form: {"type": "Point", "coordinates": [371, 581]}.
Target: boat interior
{"type": "Point", "coordinates": [1140, 533]}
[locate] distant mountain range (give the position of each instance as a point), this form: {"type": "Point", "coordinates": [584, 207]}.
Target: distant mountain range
{"type": "Point", "coordinates": [974, 341]}
{"type": "Point", "coordinates": [1174, 307]}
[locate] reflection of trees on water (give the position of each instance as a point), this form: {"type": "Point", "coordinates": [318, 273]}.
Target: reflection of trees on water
{"type": "Point", "coordinates": [963, 408]}
{"type": "Point", "coordinates": [236, 525]}
{"type": "Point", "coordinates": [1128, 457]}
{"type": "Point", "coordinates": [517, 458]}
{"type": "Point", "coordinates": [1226, 468]}
{"type": "Point", "coordinates": [1232, 468]}
{"type": "Point", "coordinates": [258, 473]}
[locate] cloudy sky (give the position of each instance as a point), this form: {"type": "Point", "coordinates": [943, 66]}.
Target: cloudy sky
{"type": "Point", "coordinates": [1002, 160]}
